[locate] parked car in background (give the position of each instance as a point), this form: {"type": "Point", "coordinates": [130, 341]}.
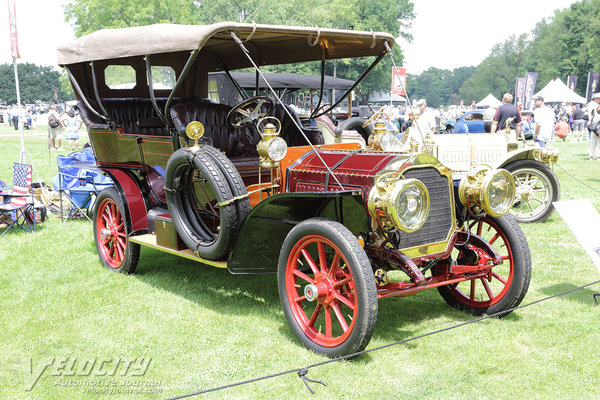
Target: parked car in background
{"type": "Point", "coordinates": [473, 122]}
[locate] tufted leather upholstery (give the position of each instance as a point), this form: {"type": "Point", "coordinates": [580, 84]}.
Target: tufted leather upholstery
{"type": "Point", "coordinates": [234, 142]}
{"type": "Point", "coordinates": [289, 130]}
{"type": "Point", "coordinates": [133, 115]}
{"type": "Point", "coordinates": [239, 142]}
{"type": "Point", "coordinates": [137, 116]}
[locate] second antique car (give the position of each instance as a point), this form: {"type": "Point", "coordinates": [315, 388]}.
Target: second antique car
{"type": "Point", "coordinates": [252, 188]}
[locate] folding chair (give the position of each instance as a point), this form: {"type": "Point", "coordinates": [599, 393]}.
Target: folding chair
{"type": "Point", "coordinates": [18, 206]}
{"type": "Point", "coordinates": [79, 182]}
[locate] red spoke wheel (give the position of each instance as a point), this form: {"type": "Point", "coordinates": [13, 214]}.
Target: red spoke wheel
{"type": "Point", "coordinates": [327, 288]}
{"type": "Point", "coordinates": [506, 284]}
{"type": "Point", "coordinates": [110, 232]}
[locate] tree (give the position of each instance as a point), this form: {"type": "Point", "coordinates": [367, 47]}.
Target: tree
{"type": "Point", "coordinates": [438, 86]}
{"type": "Point", "coordinates": [35, 83]}
{"type": "Point", "coordinates": [392, 16]}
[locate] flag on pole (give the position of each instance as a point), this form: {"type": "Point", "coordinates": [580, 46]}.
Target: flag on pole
{"type": "Point", "coordinates": [12, 22]}
{"type": "Point", "coordinates": [520, 91]}
{"type": "Point", "coordinates": [21, 184]}
{"type": "Point", "coordinates": [530, 80]}
{"type": "Point", "coordinates": [592, 86]}
{"type": "Point", "coordinates": [399, 81]}
{"type": "Point", "coordinates": [572, 82]}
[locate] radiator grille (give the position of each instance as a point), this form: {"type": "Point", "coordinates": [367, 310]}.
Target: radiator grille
{"type": "Point", "coordinates": [439, 222]}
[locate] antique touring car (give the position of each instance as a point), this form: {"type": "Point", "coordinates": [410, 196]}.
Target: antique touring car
{"type": "Point", "coordinates": [252, 188]}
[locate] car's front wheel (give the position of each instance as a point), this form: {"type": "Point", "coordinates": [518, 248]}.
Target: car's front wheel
{"type": "Point", "coordinates": [537, 187]}
{"type": "Point", "coordinates": [327, 288]}
{"type": "Point", "coordinates": [505, 284]}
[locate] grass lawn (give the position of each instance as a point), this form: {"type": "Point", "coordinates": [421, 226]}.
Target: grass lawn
{"type": "Point", "coordinates": [177, 327]}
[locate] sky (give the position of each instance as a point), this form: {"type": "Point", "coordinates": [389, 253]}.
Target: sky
{"type": "Point", "coordinates": [447, 34]}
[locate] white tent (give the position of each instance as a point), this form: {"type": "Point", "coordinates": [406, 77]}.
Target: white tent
{"type": "Point", "coordinates": [557, 92]}
{"type": "Point", "coordinates": [489, 101]}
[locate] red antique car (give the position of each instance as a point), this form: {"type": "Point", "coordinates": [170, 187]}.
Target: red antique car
{"type": "Point", "coordinates": [252, 188]}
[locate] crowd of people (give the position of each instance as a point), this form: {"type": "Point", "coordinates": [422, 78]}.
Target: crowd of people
{"type": "Point", "coordinates": [547, 123]}
{"type": "Point", "coordinates": [60, 123]}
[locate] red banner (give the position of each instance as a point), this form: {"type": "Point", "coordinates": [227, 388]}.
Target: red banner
{"type": "Point", "coordinates": [12, 21]}
{"type": "Point", "coordinates": [399, 81]}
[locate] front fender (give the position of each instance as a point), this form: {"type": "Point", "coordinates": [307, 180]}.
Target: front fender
{"type": "Point", "coordinates": [534, 153]}
{"type": "Point", "coordinates": [261, 236]}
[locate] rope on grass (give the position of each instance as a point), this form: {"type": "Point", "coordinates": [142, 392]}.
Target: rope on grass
{"type": "Point", "coordinates": [576, 179]}
{"type": "Point", "coordinates": [302, 372]}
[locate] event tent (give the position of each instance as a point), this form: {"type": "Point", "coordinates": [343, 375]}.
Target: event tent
{"type": "Point", "coordinates": [489, 101]}
{"type": "Point", "coordinates": [557, 92]}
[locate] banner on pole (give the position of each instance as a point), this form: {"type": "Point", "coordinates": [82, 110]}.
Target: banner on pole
{"type": "Point", "coordinates": [399, 81]}
{"type": "Point", "coordinates": [592, 86]}
{"type": "Point", "coordinates": [530, 80]}
{"type": "Point", "coordinates": [572, 82]}
{"type": "Point", "coordinates": [12, 21]}
{"type": "Point", "coordinates": [520, 91]}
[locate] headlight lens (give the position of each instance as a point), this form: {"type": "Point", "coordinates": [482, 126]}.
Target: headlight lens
{"type": "Point", "coordinates": [410, 205]}
{"type": "Point", "coordinates": [387, 141]}
{"type": "Point", "coordinates": [277, 149]}
{"type": "Point", "coordinates": [399, 203]}
{"type": "Point", "coordinates": [499, 193]}
{"type": "Point", "coordinates": [491, 191]}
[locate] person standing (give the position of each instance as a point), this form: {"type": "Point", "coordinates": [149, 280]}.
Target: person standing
{"type": "Point", "coordinates": [425, 123]}
{"type": "Point", "coordinates": [505, 111]}
{"type": "Point", "coordinates": [544, 122]}
{"type": "Point", "coordinates": [578, 123]}
{"type": "Point", "coordinates": [590, 110]}
{"type": "Point", "coordinates": [72, 124]}
{"type": "Point", "coordinates": [594, 140]}
{"type": "Point", "coordinates": [54, 128]}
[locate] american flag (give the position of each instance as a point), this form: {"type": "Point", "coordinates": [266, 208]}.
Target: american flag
{"type": "Point", "coordinates": [21, 184]}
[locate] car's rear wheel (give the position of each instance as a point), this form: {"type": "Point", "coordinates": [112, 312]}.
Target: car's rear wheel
{"type": "Point", "coordinates": [537, 187]}
{"type": "Point", "coordinates": [506, 284]}
{"type": "Point", "coordinates": [327, 288]}
{"type": "Point", "coordinates": [115, 249]}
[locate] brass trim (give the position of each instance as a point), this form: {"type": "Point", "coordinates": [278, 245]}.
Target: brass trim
{"type": "Point", "coordinates": [149, 240]}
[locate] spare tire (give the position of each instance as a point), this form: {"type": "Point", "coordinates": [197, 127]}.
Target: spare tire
{"type": "Point", "coordinates": [235, 181]}
{"type": "Point", "coordinates": [355, 124]}
{"type": "Point", "coordinates": [194, 187]}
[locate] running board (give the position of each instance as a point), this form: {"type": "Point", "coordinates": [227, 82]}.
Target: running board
{"type": "Point", "coordinates": [149, 240]}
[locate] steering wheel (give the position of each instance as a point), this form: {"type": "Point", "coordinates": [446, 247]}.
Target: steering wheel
{"type": "Point", "coordinates": [250, 111]}
{"type": "Point", "coordinates": [376, 114]}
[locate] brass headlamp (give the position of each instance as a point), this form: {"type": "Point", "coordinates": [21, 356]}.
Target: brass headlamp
{"type": "Point", "coordinates": [547, 155]}
{"type": "Point", "coordinates": [271, 148]}
{"type": "Point", "coordinates": [400, 203]}
{"type": "Point", "coordinates": [488, 190]}
{"type": "Point", "coordinates": [381, 138]}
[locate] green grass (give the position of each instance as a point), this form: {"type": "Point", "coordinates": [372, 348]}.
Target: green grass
{"type": "Point", "coordinates": [202, 327]}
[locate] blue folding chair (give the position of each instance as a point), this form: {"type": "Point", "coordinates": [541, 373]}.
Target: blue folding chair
{"type": "Point", "coordinates": [80, 182]}
{"type": "Point", "coordinates": [18, 206]}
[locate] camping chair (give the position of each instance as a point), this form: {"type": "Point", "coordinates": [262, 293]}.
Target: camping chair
{"type": "Point", "coordinates": [18, 205]}
{"type": "Point", "coordinates": [80, 182]}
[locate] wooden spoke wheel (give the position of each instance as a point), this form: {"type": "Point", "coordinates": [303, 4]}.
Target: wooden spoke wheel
{"type": "Point", "coordinates": [327, 288]}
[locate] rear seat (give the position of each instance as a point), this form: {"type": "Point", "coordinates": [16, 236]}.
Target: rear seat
{"type": "Point", "coordinates": [137, 116]}
{"type": "Point", "coordinates": [133, 115]}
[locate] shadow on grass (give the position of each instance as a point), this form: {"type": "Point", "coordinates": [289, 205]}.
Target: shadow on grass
{"type": "Point", "coordinates": [584, 296]}
{"type": "Point", "coordinates": [220, 291]}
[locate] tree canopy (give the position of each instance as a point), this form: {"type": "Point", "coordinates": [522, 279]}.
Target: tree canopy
{"type": "Point", "coordinates": [391, 16]}
{"type": "Point", "coordinates": [35, 83]}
